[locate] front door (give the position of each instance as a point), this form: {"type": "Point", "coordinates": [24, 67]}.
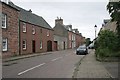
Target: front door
{"type": "Point", "coordinates": [64, 45]}
{"type": "Point", "coordinates": [55, 45]}
{"type": "Point", "coordinates": [49, 45]}
{"type": "Point", "coordinates": [33, 46]}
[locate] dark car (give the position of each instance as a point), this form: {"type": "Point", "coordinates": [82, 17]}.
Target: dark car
{"type": "Point", "coordinates": [82, 50]}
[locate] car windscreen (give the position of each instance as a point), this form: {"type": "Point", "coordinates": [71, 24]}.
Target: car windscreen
{"type": "Point", "coordinates": [82, 47]}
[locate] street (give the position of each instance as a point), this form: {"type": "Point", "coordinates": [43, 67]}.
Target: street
{"type": "Point", "coordinates": [59, 64]}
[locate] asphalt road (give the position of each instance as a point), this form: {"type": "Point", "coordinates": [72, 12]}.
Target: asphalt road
{"type": "Point", "coordinates": [59, 64]}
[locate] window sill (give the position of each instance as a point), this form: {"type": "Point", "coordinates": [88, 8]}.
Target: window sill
{"type": "Point", "coordinates": [4, 50]}
{"type": "Point", "coordinates": [24, 49]}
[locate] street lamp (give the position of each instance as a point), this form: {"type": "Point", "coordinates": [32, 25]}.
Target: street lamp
{"type": "Point", "coordinates": [95, 30]}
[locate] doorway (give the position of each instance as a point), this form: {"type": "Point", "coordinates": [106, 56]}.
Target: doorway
{"type": "Point", "coordinates": [49, 45]}
{"type": "Point", "coordinates": [55, 45]}
{"type": "Point", "coordinates": [64, 45]}
{"type": "Point", "coordinates": [33, 46]}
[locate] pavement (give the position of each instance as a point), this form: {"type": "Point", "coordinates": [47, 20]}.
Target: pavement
{"type": "Point", "coordinates": [112, 68]}
{"type": "Point", "coordinates": [25, 56]}
{"type": "Point", "coordinates": [91, 68]}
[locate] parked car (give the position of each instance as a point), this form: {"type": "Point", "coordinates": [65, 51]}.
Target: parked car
{"type": "Point", "coordinates": [82, 50]}
{"type": "Point", "coordinates": [91, 46]}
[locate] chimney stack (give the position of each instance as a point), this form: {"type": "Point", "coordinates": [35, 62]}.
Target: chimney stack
{"type": "Point", "coordinates": [59, 20]}
{"type": "Point", "coordinates": [30, 10]}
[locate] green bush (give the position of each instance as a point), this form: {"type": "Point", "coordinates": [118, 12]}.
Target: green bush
{"type": "Point", "coordinates": [116, 54]}
{"type": "Point", "coordinates": [103, 52]}
{"type": "Point", "coordinates": [107, 44]}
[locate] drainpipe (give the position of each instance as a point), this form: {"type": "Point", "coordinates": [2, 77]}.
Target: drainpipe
{"type": "Point", "coordinates": [19, 45]}
{"type": "Point", "coordinates": [0, 41]}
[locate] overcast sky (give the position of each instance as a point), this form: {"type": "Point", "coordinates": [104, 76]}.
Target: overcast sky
{"type": "Point", "coordinates": [81, 14]}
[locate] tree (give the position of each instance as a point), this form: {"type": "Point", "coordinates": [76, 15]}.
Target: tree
{"type": "Point", "coordinates": [88, 41]}
{"type": "Point", "coordinates": [114, 10]}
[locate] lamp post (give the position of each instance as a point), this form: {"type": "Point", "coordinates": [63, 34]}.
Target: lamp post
{"type": "Point", "coordinates": [95, 30]}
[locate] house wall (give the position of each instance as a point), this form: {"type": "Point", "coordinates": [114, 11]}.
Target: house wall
{"type": "Point", "coordinates": [69, 40]}
{"type": "Point", "coordinates": [38, 36]}
{"type": "Point", "coordinates": [60, 42]}
{"type": "Point", "coordinates": [73, 41]}
{"type": "Point", "coordinates": [11, 32]}
{"type": "Point", "coordinates": [110, 26]}
{"type": "Point", "coordinates": [78, 40]}
{"type": "Point", "coordinates": [0, 35]}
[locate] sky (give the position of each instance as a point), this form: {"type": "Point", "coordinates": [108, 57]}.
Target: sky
{"type": "Point", "coordinates": [81, 14]}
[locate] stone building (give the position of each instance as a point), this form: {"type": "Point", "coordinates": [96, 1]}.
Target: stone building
{"type": "Point", "coordinates": [109, 25]}
{"type": "Point", "coordinates": [65, 37]}
{"type": "Point", "coordinates": [10, 30]}
{"type": "Point", "coordinates": [24, 32]}
{"type": "Point", "coordinates": [60, 35]}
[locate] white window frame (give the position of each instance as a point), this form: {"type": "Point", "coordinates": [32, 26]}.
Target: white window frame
{"type": "Point", "coordinates": [72, 37]}
{"type": "Point", "coordinates": [5, 20]}
{"type": "Point", "coordinates": [24, 27]}
{"type": "Point", "coordinates": [41, 44]}
{"type": "Point", "coordinates": [6, 46]}
{"type": "Point", "coordinates": [33, 30]}
{"type": "Point", "coordinates": [70, 44]}
{"type": "Point", "coordinates": [24, 48]}
{"type": "Point", "coordinates": [69, 36]}
{"type": "Point", "coordinates": [48, 33]}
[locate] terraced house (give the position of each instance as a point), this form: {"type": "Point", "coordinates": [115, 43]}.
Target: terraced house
{"type": "Point", "coordinates": [24, 32]}
{"type": "Point", "coordinates": [65, 37]}
{"type": "Point", "coordinates": [10, 30]}
{"type": "Point", "coordinates": [36, 35]}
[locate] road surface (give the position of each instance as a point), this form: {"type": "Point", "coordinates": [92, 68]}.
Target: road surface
{"type": "Point", "coordinates": [59, 64]}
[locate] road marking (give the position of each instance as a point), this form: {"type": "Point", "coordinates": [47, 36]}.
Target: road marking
{"type": "Point", "coordinates": [31, 68]}
{"type": "Point", "coordinates": [56, 58]}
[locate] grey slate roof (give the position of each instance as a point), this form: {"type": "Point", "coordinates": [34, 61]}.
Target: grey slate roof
{"type": "Point", "coordinates": [31, 17]}
{"type": "Point", "coordinates": [60, 30]}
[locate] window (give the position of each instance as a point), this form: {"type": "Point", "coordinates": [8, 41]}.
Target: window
{"type": "Point", "coordinates": [40, 44]}
{"type": "Point", "coordinates": [4, 20]}
{"type": "Point", "coordinates": [4, 43]}
{"type": "Point", "coordinates": [40, 30]}
{"type": "Point", "coordinates": [33, 30]}
{"type": "Point", "coordinates": [69, 37]}
{"type": "Point", "coordinates": [48, 33]}
{"type": "Point", "coordinates": [24, 44]}
{"type": "Point", "coordinates": [24, 27]}
{"type": "Point", "coordinates": [69, 44]}
{"type": "Point", "coordinates": [72, 37]}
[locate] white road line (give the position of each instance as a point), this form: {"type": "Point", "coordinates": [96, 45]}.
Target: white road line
{"type": "Point", "coordinates": [56, 58]}
{"type": "Point", "coordinates": [31, 69]}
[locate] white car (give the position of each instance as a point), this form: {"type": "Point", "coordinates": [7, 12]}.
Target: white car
{"type": "Point", "coordinates": [91, 46]}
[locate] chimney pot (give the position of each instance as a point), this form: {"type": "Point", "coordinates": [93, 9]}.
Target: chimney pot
{"type": "Point", "coordinates": [60, 21]}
